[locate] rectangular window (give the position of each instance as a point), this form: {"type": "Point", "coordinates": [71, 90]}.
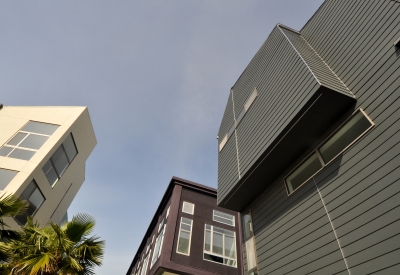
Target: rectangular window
{"type": "Point", "coordinates": [348, 133]}
{"type": "Point", "coordinates": [185, 235]}
{"type": "Point", "coordinates": [35, 199]}
{"type": "Point", "coordinates": [145, 263]}
{"type": "Point", "coordinates": [166, 215]}
{"type": "Point", "coordinates": [28, 140]}
{"type": "Point", "coordinates": [239, 117]}
{"type": "Point", "coordinates": [6, 177]}
{"type": "Point", "coordinates": [188, 208]}
{"type": "Point", "coordinates": [219, 245]}
{"type": "Point", "coordinates": [223, 218]}
{"type": "Point", "coordinates": [158, 246]}
{"type": "Point", "coordinates": [55, 167]}
{"type": "Point", "coordinates": [249, 239]}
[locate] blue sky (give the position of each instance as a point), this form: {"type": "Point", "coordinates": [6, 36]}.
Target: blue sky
{"type": "Point", "coordinates": [155, 76]}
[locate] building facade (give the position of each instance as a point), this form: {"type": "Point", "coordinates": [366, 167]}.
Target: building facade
{"type": "Point", "coordinates": [43, 151]}
{"type": "Point", "coordinates": [190, 234]}
{"type": "Point", "coordinates": [309, 145]}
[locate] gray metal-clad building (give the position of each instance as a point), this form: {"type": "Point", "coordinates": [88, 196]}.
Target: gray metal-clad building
{"type": "Point", "coordinates": [309, 145]}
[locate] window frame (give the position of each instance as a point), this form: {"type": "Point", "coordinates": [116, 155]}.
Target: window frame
{"type": "Point", "coordinates": [26, 214]}
{"type": "Point", "coordinates": [183, 207]}
{"type": "Point", "coordinates": [254, 269]}
{"type": "Point", "coordinates": [51, 161]}
{"type": "Point", "coordinates": [223, 218]}
{"type": "Point", "coordinates": [317, 152]}
{"type": "Point", "coordinates": [190, 236]}
{"type": "Point", "coordinates": [14, 147]}
{"type": "Point", "coordinates": [223, 246]}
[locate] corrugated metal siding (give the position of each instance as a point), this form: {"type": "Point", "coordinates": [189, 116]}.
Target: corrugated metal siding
{"type": "Point", "coordinates": [255, 71]}
{"type": "Point", "coordinates": [227, 119]}
{"type": "Point", "coordinates": [320, 69]}
{"type": "Point", "coordinates": [227, 165]}
{"type": "Point", "coordinates": [288, 86]}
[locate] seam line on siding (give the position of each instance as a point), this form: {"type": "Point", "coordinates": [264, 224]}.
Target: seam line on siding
{"type": "Point", "coordinates": [237, 188]}
{"type": "Point", "coordinates": [236, 141]}
{"type": "Point", "coordinates": [329, 68]}
{"type": "Point", "coordinates": [290, 42]}
{"type": "Point", "coordinates": [333, 228]}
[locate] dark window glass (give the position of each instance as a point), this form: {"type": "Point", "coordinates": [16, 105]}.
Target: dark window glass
{"type": "Point", "coordinates": [70, 148]}
{"type": "Point", "coordinates": [5, 177]}
{"type": "Point", "coordinates": [40, 128]}
{"type": "Point", "coordinates": [35, 198]}
{"type": "Point", "coordinates": [61, 163]}
{"type": "Point", "coordinates": [213, 258]}
{"type": "Point", "coordinates": [349, 132]}
{"type": "Point", "coordinates": [17, 139]}
{"type": "Point", "coordinates": [5, 151]}
{"type": "Point", "coordinates": [22, 154]}
{"type": "Point", "coordinates": [33, 141]}
{"type": "Point", "coordinates": [303, 172]}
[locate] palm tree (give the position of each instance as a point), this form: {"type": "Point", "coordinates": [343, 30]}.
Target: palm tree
{"type": "Point", "coordinates": [65, 250]}
{"type": "Point", "coordinates": [10, 206]}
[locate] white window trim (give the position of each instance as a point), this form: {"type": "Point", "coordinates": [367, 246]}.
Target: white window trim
{"type": "Point", "coordinates": [214, 214]}
{"type": "Point", "coordinates": [190, 236]}
{"type": "Point", "coordinates": [183, 207]}
{"type": "Point", "coordinates": [223, 246]}
{"type": "Point", "coordinates": [316, 150]}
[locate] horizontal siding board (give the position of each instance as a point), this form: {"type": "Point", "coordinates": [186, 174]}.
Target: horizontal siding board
{"type": "Point", "coordinates": [370, 46]}
{"type": "Point", "coordinates": [323, 73]}
{"type": "Point", "coordinates": [376, 264]}
{"type": "Point", "coordinates": [370, 22]}
{"type": "Point", "coordinates": [256, 69]}
{"type": "Point", "coordinates": [227, 120]}
{"type": "Point", "coordinates": [293, 263]}
{"type": "Point", "coordinates": [251, 145]}
{"type": "Point", "coordinates": [383, 234]}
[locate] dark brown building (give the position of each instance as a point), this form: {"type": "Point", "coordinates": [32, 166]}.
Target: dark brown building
{"type": "Point", "coordinates": [190, 234]}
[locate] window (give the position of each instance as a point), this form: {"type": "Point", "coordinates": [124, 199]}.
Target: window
{"type": "Point", "coordinates": [35, 199]}
{"type": "Point", "coordinates": [223, 218]}
{"type": "Point", "coordinates": [158, 246]}
{"type": "Point", "coordinates": [239, 117]}
{"type": "Point", "coordinates": [6, 177]}
{"type": "Point", "coordinates": [145, 262]}
{"type": "Point", "coordinates": [55, 167]}
{"type": "Point", "coordinates": [166, 215]}
{"type": "Point", "coordinates": [397, 43]}
{"type": "Point", "coordinates": [219, 245]}
{"type": "Point", "coordinates": [28, 140]}
{"type": "Point", "coordinates": [350, 131]}
{"type": "Point", "coordinates": [185, 235]}
{"type": "Point", "coordinates": [188, 208]}
{"type": "Point", "coordinates": [249, 239]}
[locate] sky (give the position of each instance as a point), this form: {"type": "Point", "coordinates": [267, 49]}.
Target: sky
{"type": "Point", "coordinates": [155, 76]}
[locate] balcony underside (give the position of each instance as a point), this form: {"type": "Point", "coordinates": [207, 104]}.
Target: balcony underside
{"type": "Point", "coordinates": [323, 109]}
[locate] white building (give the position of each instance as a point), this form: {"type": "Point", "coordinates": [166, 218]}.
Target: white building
{"type": "Point", "coordinates": [43, 151]}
